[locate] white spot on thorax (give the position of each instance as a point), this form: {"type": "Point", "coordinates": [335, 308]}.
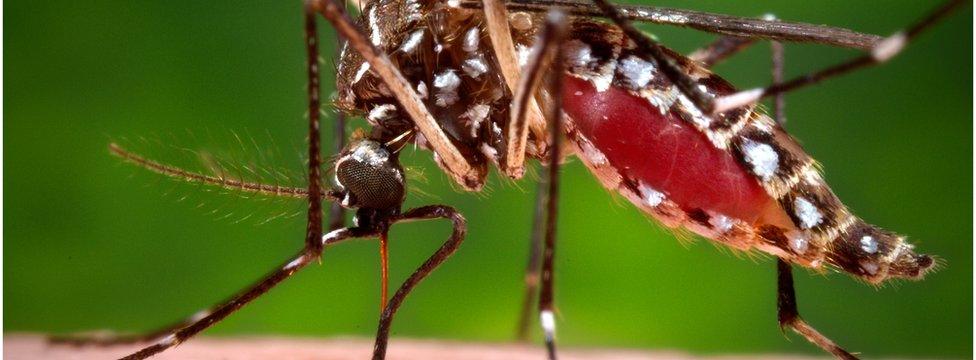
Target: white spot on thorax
{"type": "Point", "coordinates": [475, 66]}
{"type": "Point", "coordinates": [808, 213]}
{"type": "Point", "coordinates": [363, 68]}
{"type": "Point", "coordinates": [650, 196]}
{"type": "Point", "coordinates": [422, 90]}
{"type": "Point", "coordinates": [869, 244]}
{"type": "Point", "coordinates": [447, 83]}
{"type": "Point", "coordinates": [475, 116]}
{"type": "Point", "coordinates": [381, 112]}
{"type": "Point", "coordinates": [410, 44]}
{"type": "Point", "coordinates": [638, 72]}
{"type": "Point", "coordinates": [375, 35]}
{"type": "Point", "coordinates": [471, 39]}
{"type": "Point", "coordinates": [413, 7]}
{"type": "Point", "coordinates": [454, 3]}
{"type": "Point", "coordinates": [762, 157]}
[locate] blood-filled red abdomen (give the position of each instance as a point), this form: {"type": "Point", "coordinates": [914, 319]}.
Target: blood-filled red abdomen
{"type": "Point", "coordinates": [663, 152]}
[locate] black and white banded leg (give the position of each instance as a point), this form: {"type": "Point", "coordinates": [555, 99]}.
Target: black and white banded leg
{"type": "Point", "coordinates": [881, 52]}
{"type": "Point", "coordinates": [545, 63]}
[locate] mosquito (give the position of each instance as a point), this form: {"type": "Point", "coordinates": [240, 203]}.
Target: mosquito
{"type": "Point", "coordinates": [485, 84]}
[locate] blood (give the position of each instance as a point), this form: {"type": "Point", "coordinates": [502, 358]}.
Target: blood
{"type": "Point", "coordinates": [664, 152]}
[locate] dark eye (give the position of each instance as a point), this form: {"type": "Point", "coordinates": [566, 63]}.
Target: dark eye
{"type": "Point", "coordinates": [371, 176]}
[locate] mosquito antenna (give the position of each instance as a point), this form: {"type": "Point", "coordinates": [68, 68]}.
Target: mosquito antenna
{"type": "Point", "coordinates": [219, 181]}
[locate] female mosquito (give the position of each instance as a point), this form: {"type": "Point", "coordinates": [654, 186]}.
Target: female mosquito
{"type": "Point", "coordinates": [486, 83]}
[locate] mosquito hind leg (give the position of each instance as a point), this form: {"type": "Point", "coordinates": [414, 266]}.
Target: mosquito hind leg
{"type": "Point", "coordinates": [790, 318]}
{"type": "Point", "coordinates": [460, 228]}
{"type": "Point", "coordinates": [880, 53]}
{"type": "Point", "coordinates": [720, 49]}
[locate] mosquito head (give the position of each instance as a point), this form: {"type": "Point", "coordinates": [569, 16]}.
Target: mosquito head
{"type": "Point", "coordinates": [369, 176]}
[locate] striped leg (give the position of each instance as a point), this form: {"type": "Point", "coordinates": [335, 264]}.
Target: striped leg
{"type": "Point", "coordinates": [205, 319]}
{"type": "Point", "coordinates": [314, 241]}
{"type": "Point", "coordinates": [880, 53]}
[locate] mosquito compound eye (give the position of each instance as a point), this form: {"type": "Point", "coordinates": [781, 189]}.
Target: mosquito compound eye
{"type": "Point", "coordinates": [370, 176]}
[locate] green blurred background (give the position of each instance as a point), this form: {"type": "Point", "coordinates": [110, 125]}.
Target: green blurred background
{"type": "Point", "coordinates": [92, 244]}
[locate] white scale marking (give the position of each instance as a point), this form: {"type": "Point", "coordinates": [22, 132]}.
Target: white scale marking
{"type": "Point", "coordinates": [375, 35]}
{"type": "Point", "coordinates": [637, 71]}
{"type": "Point", "coordinates": [294, 263]}
{"type": "Point", "coordinates": [474, 67]}
{"type": "Point", "coordinates": [363, 68]}
{"type": "Point", "coordinates": [422, 90]}
{"type": "Point", "coordinates": [651, 196]}
{"type": "Point", "coordinates": [381, 112]}
{"type": "Point", "coordinates": [889, 47]}
{"type": "Point", "coordinates": [447, 82]}
{"type": "Point", "coordinates": [471, 39]}
{"type": "Point", "coordinates": [594, 155]}
{"type": "Point", "coordinates": [798, 241]}
{"type": "Point", "coordinates": [476, 115]}
{"type": "Point", "coordinates": [721, 222]}
{"type": "Point", "coordinates": [808, 213]}
{"type": "Point", "coordinates": [548, 322]}
{"type": "Point", "coordinates": [762, 157]}
{"type": "Point", "coordinates": [869, 244]}
{"type": "Point", "coordinates": [412, 41]}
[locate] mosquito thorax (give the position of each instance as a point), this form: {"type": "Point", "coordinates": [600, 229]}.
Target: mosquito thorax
{"type": "Point", "coordinates": [368, 175]}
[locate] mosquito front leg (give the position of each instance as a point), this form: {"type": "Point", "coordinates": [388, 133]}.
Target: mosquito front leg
{"type": "Point", "coordinates": [205, 319]}
{"type": "Point", "coordinates": [459, 168]}
{"type": "Point", "coordinates": [880, 53]}
{"type": "Point", "coordinates": [460, 228]}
